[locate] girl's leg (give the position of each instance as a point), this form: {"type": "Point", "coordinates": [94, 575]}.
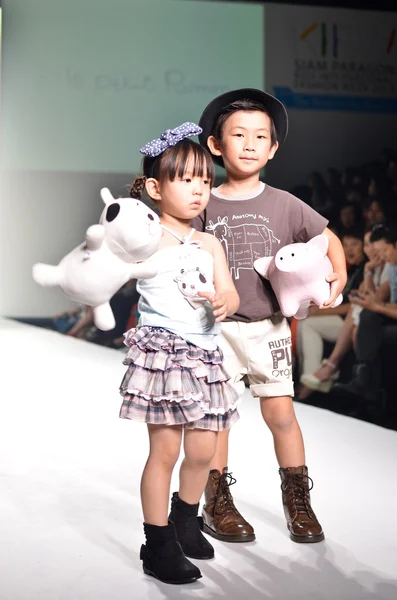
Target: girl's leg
{"type": "Point", "coordinates": [341, 348]}
{"type": "Point", "coordinates": [165, 443]}
{"type": "Point", "coordinates": [311, 333]}
{"type": "Point", "coordinates": [279, 415]}
{"type": "Point", "coordinates": [354, 336]}
{"type": "Point", "coordinates": [200, 447]}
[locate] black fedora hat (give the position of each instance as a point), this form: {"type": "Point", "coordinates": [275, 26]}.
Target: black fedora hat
{"type": "Point", "coordinates": [215, 108]}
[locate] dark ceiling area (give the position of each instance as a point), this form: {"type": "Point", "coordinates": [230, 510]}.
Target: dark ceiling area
{"type": "Point", "coordinates": [378, 5]}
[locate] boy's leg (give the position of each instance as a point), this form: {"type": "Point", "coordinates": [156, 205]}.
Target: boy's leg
{"type": "Point", "coordinates": [279, 416]}
{"type": "Point", "coordinates": [220, 459]}
{"type": "Point", "coordinates": [271, 380]}
{"type": "Point", "coordinates": [221, 518]}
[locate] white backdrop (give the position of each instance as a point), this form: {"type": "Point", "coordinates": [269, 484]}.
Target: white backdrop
{"type": "Point", "coordinates": [85, 84]}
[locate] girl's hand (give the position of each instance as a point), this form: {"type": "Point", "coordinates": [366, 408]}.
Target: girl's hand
{"type": "Point", "coordinates": [219, 305]}
{"type": "Point", "coordinates": [367, 302]}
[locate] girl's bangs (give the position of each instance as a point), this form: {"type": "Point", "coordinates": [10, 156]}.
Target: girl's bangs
{"type": "Point", "coordinates": [187, 157]}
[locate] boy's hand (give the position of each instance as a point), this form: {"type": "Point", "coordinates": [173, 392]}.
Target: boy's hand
{"type": "Point", "coordinates": [337, 284]}
{"type": "Point", "coordinates": [219, 305]}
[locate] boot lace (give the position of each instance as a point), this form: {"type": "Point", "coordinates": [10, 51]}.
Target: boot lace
{"type": "Point", "coordinates": [301, 486]}
{"type": "Point", "coordinates": [224, 494]}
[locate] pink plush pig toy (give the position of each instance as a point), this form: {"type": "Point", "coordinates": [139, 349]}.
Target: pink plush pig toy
{"type": "Point", "coordinates": [298, 274]}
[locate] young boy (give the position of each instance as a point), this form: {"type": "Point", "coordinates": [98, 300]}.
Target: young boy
{"type": "Point", "coordinates": [243, 129]}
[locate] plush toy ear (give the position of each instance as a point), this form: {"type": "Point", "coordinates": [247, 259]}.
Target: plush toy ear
{"type": "Point", "coordinates": [106, 196]}
{"type": "Point", "coordinates": [94, 237]}
{"type": "Point", "coordinates": [320, 242]}
{"type": "Point", "coordinates": [262, 265]}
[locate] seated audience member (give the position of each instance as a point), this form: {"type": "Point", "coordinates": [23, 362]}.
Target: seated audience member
{"type": "Point", "coordinates": [350, 215]}
{"type": "Point", "coordinates": [374, 212]}
{"type": "Point", "coordinates": [380, 188]}
{"type": "Point", "coordinates": [354, 194]}
{"type": "Point", "coordinates": [377, 315]}
{"type": "Point", "coordinates": [374, 278]}
{"type": "Point", "coordinates": [320, 198]}
{"type": "Point", "coordinates": [122, 303]}
{"type": "Point", "coordinates": [325, 324]}
{"type": "Point", "coordinates": [74, 322]}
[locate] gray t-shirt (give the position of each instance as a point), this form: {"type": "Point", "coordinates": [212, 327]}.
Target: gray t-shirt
{"type": "Point", "coordinates": [392, 279]}
{"type": "Point", "coordinates": [253, 227]}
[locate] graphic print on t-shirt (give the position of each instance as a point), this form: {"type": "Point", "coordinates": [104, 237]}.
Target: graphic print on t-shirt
{"type": "Point", "coordinates": [192, 280]}
{"type": "Point", "coordinates": [243, 243]}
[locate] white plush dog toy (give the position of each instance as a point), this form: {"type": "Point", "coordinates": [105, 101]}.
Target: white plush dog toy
{"type": "Point", "coordinates": [129, 232]}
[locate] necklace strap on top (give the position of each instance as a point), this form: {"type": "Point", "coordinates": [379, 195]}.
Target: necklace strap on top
{"type": "Point", "coordinates": [185, 239]}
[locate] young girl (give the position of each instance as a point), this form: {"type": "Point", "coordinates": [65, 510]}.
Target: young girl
{"type": "Point", "coordinates": [175, 380]}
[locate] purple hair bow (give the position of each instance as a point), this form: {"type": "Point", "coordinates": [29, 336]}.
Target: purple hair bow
{"type": "Point", "coordinates": [170, 138]}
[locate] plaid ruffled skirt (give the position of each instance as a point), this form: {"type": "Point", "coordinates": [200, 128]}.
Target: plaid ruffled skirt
{"type": "Point", "coordinates": [170, 381]}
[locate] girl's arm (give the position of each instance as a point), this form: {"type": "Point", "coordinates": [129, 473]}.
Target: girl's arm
{"type": "Point", "coordinates": [337, 257]}
{"type": "Point", "coordinates": [368, 286]}
{"type": "Point", "coordinates": [226, 300]}
{"type": "Point", "coordinates": [382, 294]}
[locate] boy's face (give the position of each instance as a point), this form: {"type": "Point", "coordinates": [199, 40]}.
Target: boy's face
{"type": "Point", "coordinates": [387, 252]}
{"type": "Point", "coordinates": [246, 144]}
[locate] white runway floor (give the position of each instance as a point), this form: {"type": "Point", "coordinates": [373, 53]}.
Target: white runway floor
{"type": "Point", "coordinates": [70, 520]}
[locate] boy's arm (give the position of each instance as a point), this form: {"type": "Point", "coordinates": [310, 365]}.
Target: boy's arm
{"type": "Point", "coordinates": [337, 257]}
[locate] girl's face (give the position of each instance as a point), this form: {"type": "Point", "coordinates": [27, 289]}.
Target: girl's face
{"type": "Point", "coordinates": [353, 248]}
{"type": "Point", "coordinates": [185, 197]}
{"type": "Point", "coordinates": [246, 144]}
{"type": "Point", "coordinates": [369, 249]}
{"type": "Point", "coordinates": [386, 251]}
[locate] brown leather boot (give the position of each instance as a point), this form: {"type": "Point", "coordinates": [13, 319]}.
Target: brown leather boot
{"type": "Point", "coordinates": [221, 518]}
{"type": "Point", "coordinates": [301, 520]}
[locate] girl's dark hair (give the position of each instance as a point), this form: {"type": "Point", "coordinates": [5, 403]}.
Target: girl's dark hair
{"type": "Point", "coordinates": [172, 164]}
{"type": "Point", "coordinates": [137, 187]}
{"type": "Point", "coordinates": [247, 105]}
{"type": "Point", "coordinates": [356, 232]}
{"type": "Point", "coordinates": [383, 232]}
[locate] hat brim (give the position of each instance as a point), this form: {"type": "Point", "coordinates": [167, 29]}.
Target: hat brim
{"type": "Point", "coordinates": [212, 112]}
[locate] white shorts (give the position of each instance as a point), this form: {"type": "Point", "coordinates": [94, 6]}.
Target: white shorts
{"type": "Point", "coordinates": [262, 351]}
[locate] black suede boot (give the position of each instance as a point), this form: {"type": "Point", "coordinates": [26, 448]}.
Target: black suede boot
{"type": "Point", "coordinates": [163, 558]}
{"type": "Point", "coordinates": [187, 527]}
